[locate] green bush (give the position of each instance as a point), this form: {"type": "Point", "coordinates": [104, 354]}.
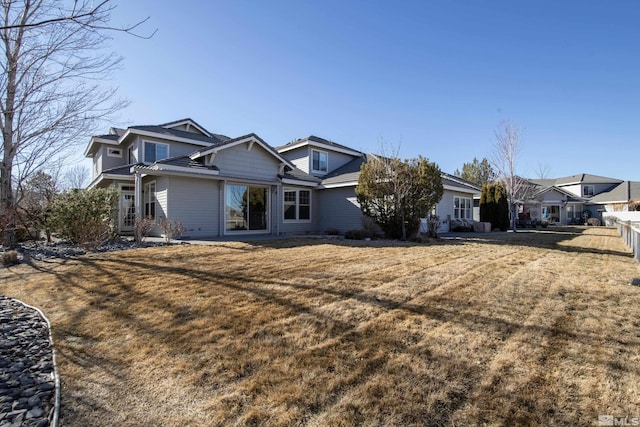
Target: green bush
{"type": "Point", "coordinates": [494, 207]}
{"type": "Point", "coordinates": [86, 217]}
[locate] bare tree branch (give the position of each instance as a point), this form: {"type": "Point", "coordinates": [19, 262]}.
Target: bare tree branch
{"type": "Point", "coordinates": [77, 16]}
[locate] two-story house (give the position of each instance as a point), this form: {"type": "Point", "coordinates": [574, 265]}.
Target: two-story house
{"type": "Point", "coordinates": [565, 200]}
{"type": "Point", "coordinates": [220, 186]}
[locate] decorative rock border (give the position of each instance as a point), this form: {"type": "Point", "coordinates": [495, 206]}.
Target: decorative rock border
{"type": "Point", "coordinates": [29, 381]}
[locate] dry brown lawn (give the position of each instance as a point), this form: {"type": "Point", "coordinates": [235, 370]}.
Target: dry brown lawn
{"type": "Point", "coordinates": [535, 328]}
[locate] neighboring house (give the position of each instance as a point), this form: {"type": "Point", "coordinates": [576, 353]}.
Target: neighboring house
{"type": "Point", "coordinates": [216, 185]}
{"type": "Point", "coordinates": [565, 200]}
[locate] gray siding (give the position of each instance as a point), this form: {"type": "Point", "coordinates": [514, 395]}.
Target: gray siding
{"type": "Point", "coordinates": [336, 159]}
{"type": "Point", "coordinates": [297, 227]}
{"type": "Point", "coordinates": [444, 208]}
{"type": "Point", "coordinates": [175, 148]}
{"type": "Point", "coordinates": [299, 157]}
{"type": "Point", "coordinates": [238, 161]}
{"type": "Point", "coordinates": [337, 208]}
{"type": "Point", "coordinates": [97, 164]}
{"type": "Point", "coordinates": [195, 203]}
{"type": "Point", "coordinates": [112, 162]}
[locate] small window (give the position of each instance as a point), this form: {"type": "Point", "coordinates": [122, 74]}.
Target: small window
{"type": "Point", "coordinates": [588, 190]}
{"type": "Point", "coordinates": [154, 151]}
{"type": "Point", "coordinates": [297, 205]}
{"type": "Point", "coordinates": [150, 200]}
{"type": "Point", "coordinates": [319, 161]}
{"type": "Point", "coordinates": [114, 152]}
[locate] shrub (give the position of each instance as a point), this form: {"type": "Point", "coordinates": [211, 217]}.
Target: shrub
{"type": "Point", "coordinates": [433, 223]}
{"type": "Point", "coordinates": [634, 205]}
{"type": "Point", "coordinates": [142, 227]}
{"type": "Point", "coordinates": [593, 221]}
{"type": "Point", "coordinates": [333, 232]}
{"type": "Point", "coordinates": [358, 235]}
{"type": "Point", "coordinates": [86, 217]}
{"type": "Point", "coordinates": [171, 229]}
{"type": "Point", "coordinates": [10, 258]}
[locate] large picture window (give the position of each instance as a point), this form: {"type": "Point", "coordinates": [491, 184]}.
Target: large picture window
{"type": "Point", "coordinates": [462, 208]}
{"type": "Point", "coordinates": [297, 205]}
{"type": "Point", "coordinates": [154, 151]}
{"type": "Point", "coordinates": [150, 200]}
{"type": "Point", "coordinates": [319, 161]}
{"type": "Point", "coordinates": [246, 208]}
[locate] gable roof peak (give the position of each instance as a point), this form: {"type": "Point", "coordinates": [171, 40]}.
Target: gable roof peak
{"type": "Point", "coordinates": [313, 140]}
{"type": "Point", "coordinates": [188, 123]}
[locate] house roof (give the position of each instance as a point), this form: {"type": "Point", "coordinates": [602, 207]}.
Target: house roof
{"type": "Point", "coordinates": [586, 178]}
{"type": "Point", "coordinates": [189, 122]}
{"type": "Point", "coordinates": [186, 162]}
{"type": "Point", "coordinates": [299, 175]}
{"type": "Point", "coordinates": [347, 173]}
{"type": "Point", "coordinates": [454, 181]}
{"type": "Point", "coordinates": [570, 197]}
{"type": "Point", "coordinates": [318, 142]}
{"type": "Point", "coordinates": [621, 193]}
{"type": "Point", "coordinates": [117, 136]}
{"type": "Point", "coordinates": [170, 132]}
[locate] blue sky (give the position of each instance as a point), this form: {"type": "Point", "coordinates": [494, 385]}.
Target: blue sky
{"type": "Point", "coordinates": [435, 78]}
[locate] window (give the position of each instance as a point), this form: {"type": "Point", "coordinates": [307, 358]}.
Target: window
{"type": "Point", "coordinates": [114, 152]}
{"type": "Point", "coordinates": [246, 208]}
{"type": "Point", "coordinates": [150, 200]}
{"type": "Point", "coordinates": [462, 208]}
{"type": "Point", "coordinates": [154, 151]}
{"type": "Point", "coordinates": [319, 161]}
{"type": "Point", "coordinates": [588, 190]}
{"type": "Point", "coordinates": [297, 205]}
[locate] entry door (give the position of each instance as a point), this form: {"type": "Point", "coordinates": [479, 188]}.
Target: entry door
{"type": "Point", "coordinates": [127, 212]}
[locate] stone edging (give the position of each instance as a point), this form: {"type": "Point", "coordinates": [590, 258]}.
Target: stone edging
{"type": "Point", "coordinates": [53, 417]}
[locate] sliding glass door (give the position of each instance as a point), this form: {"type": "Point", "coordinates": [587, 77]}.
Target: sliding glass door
{"type": "Point", "coordinates": [247, 208]}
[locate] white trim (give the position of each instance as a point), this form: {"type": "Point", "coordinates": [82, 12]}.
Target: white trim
{"type": "Point", "coordinates": [97, 140]}
{"type": "Point", "coordinates": [593, 190]}
{"type": "Point", "coordinates": [300, 182]}
{"type": "Point", "coordinates": [111, 150]}
{"type": "Point", "coordinates": [319, 145]}
{"type": "Point", "coordinates": [188, 123]}
{"type": "Point", "coordinates": [340, 184]}
{"type": "Point", "coordinates": [297, 220]}
{"type": "Point", "coordinates": [226, 232]}
{"type": "Point", "coordinates": [162, 136]}
{"type": "Point", "coordinates": [459, 189]}
{"type": "Point", "coordinates": [460, 208]}
{"type": "Point", "coordinates": [318, 171]}
{"type": "Point", "coordinates": [145, 196]}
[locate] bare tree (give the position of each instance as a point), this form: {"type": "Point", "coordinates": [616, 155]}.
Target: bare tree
{"type": "Point", "coordinates": [76, 177]}
{"type": "Point", "coordinates": [52, 95]}
{"type": "Point", "coordinates": [543, 170]}
{"type": "Point", "coordinates": [504, 160]}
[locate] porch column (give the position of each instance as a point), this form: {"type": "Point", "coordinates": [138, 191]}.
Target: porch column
{"type": "Point", "coordinates": [138, 194]}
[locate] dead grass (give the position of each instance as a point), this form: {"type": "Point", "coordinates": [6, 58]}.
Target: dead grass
{"type": "Point", "coordinates": [503, 329]}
